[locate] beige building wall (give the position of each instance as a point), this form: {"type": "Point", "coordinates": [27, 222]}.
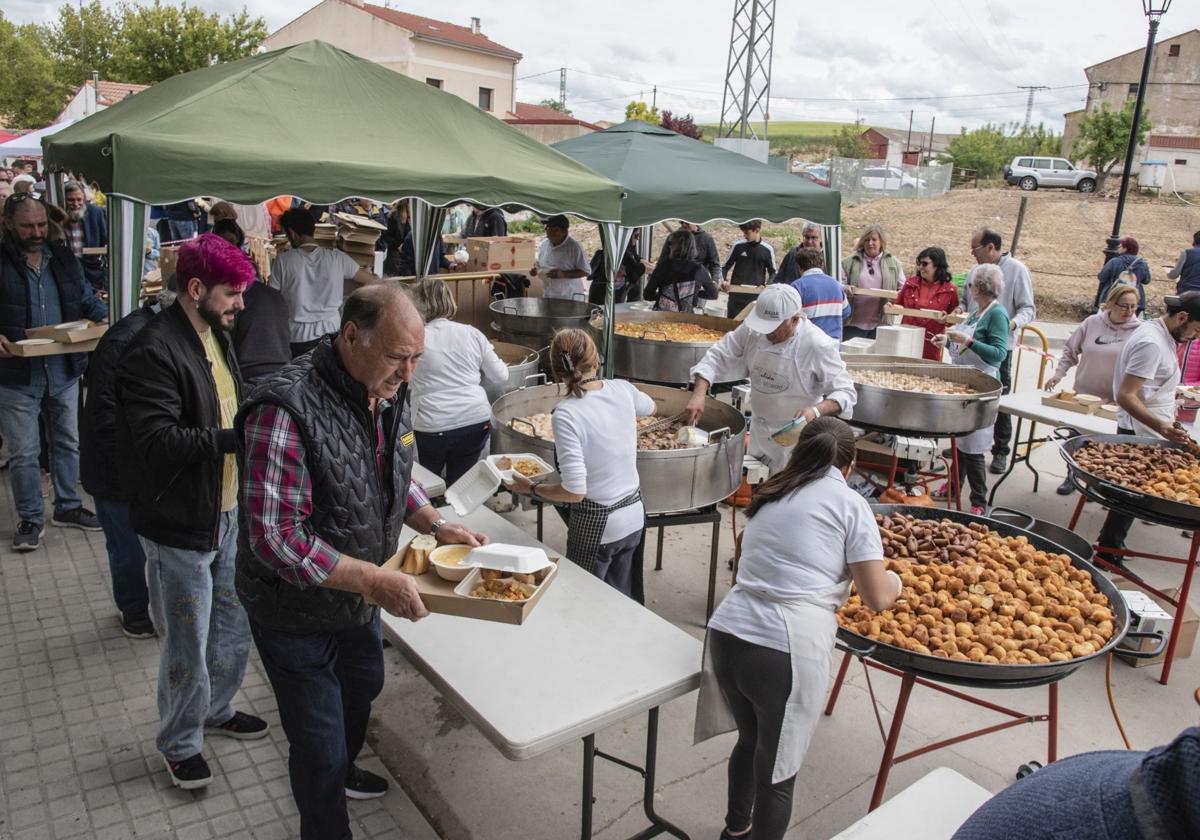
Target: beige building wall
{"type": "Point", "coordinates": [551, 134]}
{"type": "Point", "coordinates": [463, 72]}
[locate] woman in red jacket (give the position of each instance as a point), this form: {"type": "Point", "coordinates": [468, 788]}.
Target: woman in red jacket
{"type": "Point", "coordinates": [930, 288]}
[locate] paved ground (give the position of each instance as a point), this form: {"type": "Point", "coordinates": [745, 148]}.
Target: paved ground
{"type": "Point", "coordinates": [78, 719]}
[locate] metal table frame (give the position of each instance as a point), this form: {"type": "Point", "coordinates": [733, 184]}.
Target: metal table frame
{"type": "Point", "coordinates": [954, 487]}
{"type": "Point", "coordinates": [1086, 494]}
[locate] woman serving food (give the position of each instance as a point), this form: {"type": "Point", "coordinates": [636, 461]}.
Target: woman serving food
{"type": "Point", "coordinates": [766, 657]}
{"type": "Point", "coordinates": [595, 442]}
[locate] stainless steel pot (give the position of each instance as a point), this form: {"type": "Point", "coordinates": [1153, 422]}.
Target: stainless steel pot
{"type": "Point", "coordinates": [522, 366]}
{"type": "Point", "coordinates": [532, 322]}
{"type": "Point", "coordinates": [931, 414]}
{"type": "Point", "coordinates": [658, 360]}
{"type": "Point", "coordinates": [673, 480]}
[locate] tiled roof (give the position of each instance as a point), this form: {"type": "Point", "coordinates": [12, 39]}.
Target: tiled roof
{"type": "Point", "coordinates": [1174, 141]}
{"type": "Point", "coordinates": [528, 113]}
{"type": "Point", "coordinates": [110, 93]}
{"type": "Point", "coordinates": [438, 30]}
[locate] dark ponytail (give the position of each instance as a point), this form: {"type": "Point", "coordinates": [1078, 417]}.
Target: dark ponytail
{"type": "Point", "coordinates": [825, 442]}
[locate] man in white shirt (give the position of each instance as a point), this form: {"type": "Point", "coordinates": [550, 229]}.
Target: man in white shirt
{"type": "Point", "coordinates": [311, 279]}
{"type": "Point", "coordinates": [1017, 300]}
{"type": "Point", "coordinates": [561, 262]}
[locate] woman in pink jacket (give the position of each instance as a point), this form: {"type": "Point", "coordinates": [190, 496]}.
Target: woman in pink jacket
{"type": "Point", "coordinates": [1095, 347]}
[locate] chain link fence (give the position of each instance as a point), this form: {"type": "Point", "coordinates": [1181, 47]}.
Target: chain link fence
{"type": "Point", "coordinates": [862, 179]}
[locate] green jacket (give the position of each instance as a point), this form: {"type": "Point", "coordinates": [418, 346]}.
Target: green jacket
{"type": "Point", "coordinates": [893, 274]}
{"type": "Point", "coordinates": [991, 335]}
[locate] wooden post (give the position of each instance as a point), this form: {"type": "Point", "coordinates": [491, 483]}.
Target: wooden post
{"type": "Point", "coordinates": [1012, 248]}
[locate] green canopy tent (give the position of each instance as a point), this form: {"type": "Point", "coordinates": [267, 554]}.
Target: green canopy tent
{"type": "Point", "coordinates": [314, 121]}
{"type": "Point", "coordinates": [666, 175]}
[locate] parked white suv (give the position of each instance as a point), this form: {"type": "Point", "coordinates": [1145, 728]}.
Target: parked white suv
{"type": "Point", "coordinates": [891, 179]}
{"type": "Point", "coordinates": [1031, 173]}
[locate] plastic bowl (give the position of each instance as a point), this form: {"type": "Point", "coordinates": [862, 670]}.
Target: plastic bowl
{"type": "Point", "coordinates": [447, 561]}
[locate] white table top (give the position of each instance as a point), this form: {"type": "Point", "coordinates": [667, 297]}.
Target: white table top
{"type": "Point", "coordinates": [434, 485]}
{"type": "Point", "coordinates": [586, 657]}
{"type": "Point", "coordinates": [932, 808]}
{"type": "Point", "coordinates": [1028, 405]}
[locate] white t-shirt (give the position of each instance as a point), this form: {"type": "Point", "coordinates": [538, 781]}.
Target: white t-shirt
{"type": "Point", "coordinates": [1149, 354]}
{"type": "Point", "coordinates": [567, 255]}
{"type": "Point", "coordinates": [595, 440]}
{"type": "Point", "coordinates": [446, 386]}
{"type": "Point", "coordinates": [796, 545]}
{"type": "Point", "coordinates": [310, 278]}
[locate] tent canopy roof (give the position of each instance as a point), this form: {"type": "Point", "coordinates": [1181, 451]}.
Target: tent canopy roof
{"type": "Point", "coordinates": [669, 176]}
{"type": "Point", "coordinates": [315, 121]}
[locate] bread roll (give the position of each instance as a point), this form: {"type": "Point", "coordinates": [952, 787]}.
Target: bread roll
{"type": "Point", "coordinates": [416, 556]}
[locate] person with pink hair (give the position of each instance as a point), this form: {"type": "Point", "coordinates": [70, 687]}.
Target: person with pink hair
{"type": "Point", "coordinates": [177, 397]}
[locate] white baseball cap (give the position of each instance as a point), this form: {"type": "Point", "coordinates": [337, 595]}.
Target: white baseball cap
{"type": "Point", "coordinates": [777, 303]}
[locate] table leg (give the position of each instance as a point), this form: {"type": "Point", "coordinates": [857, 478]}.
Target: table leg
{"type": "Point", "coordinates": [1177, 624]}
{"type": "Point", "coordinates": [541, 512]}
{"type": "Point", "coordinates": [1012, 462]}
{"type": "Point", "coordinates": [657, 824]}
{"type": "Point", "coordinates": [1052, 725]}
{"type": "Point", "coordinates": [712, 570]}
{"type": "Point", "coordinates": [895, 468]}
{"type": "Point", "coordinates": [1029, 453]}
{"type": "Point", "coordinates": [889, 749]}
{"type": "Point", "coordinates": [589, 768]}
{"type": "Point", "coordinates": [955, 486]}
{"type": "Point", "coordinates": [837, 684]}
{"type": "Point", "coordinates": [1078, 510]}
{"type": "Point", "coordinates": [658, 556]}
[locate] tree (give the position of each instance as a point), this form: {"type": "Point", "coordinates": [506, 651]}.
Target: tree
{"type": "Point", "coordinates": [30, 95]}
{"type": "Point", "coordinates": [636, 110]}
{"type": "Point", "coordinates": [1104, 136]}
{"type": "Point", "coordinates": [82, 40]}
{"type": "Point", "coordinates": [848, 142]}
{"type": "Point", "coordinates": [682, 125]}
{"type": "Point", "coordinates": [555, 105]}
{"type": "Point", "coordinates": [157, 42]}
{"type": "Point", "coordinates": [988, 148]}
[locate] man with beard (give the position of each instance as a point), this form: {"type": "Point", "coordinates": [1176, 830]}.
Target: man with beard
{"type": "Point", "coordinates": [1145, 381]}
{"type": "Point", "coordinates": [86, 227]}
{"type": "Point", "coordinates": [41, 283]}
{"type": "Point", "coordinates": [177, 396]}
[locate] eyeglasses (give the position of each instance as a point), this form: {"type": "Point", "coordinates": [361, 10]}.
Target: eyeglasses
{"type": "Point", "coordinates": [923, 263]}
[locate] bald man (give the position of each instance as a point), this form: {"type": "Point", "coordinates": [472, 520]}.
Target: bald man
{"type": "Point", "coordinates": [326, 462]}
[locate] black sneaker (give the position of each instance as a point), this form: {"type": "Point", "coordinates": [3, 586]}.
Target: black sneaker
{"type": "Point", "coordinates": [137, 625]}
{"type": "Point", "coordinates": [1066, 488]}
{"type": "Point", "coordinates": [79, 517]}
{"type": "Point", "coordinates": [242, 726]}
{"type": "Point", "coordinates": [191, 773]}
{"type": "Point", "coordinates": [363, 784]}
{"type": "Point", "coordinates": [28, 536]}
{"type": "Point", "coordinates": [999, 464]}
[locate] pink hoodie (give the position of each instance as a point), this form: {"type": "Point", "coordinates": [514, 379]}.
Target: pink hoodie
{"type": "Point", "coordinates": [1095, 346]}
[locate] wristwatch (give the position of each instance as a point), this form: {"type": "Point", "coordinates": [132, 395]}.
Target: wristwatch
{"type": "Point", "coordinates": [436, 526]}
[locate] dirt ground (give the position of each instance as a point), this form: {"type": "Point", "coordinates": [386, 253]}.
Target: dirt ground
{"type": "Point", "coordinates": [1061, 240]}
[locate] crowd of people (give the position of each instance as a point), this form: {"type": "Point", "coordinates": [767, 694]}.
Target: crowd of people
{"type": "Point", "coordinates": [249, 449]}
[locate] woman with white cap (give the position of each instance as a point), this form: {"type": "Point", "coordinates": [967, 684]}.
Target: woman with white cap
{"type": "Point", "coordinates": [795, 371]}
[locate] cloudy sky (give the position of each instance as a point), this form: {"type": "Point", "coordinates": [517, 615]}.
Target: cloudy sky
{"type": "Point", "coordinates": [959, 61]}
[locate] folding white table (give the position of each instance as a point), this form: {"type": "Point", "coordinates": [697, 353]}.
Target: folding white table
{"type": "Point", "coordinates": [600, 656]}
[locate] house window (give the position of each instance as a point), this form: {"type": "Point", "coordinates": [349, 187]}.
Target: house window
{"type": "Point", "coordinates": [1133, 89]}
{"type": "Point", "coordinates": [1181, 161]}
{"type": "Point", "coordinates": [485, 98]}
{"type": "Point", "coordinates": [1173, 51]}
{"type": "Point", "coordinates": [437, 83]}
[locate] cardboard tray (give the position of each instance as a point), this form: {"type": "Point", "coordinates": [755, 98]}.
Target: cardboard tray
{"type": "Point", "coordinates": [55, 348]}
{"type": "Point", "coordinates": [1056, 401]}
{"type": "Point", "coordinates": [438, 596]}
{"type": "Point", "coordinates": [63, 333]}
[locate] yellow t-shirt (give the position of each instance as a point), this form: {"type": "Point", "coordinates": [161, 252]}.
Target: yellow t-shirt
{"type": "Point", "coordinates": [227, 397]}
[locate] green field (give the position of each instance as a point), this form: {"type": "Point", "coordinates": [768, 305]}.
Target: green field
{"type": "Point", "coordinates": [794, 136]}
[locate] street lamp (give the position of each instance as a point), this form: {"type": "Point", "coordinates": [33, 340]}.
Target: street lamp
{"type": "Point", "coordinates": [1154, 10]}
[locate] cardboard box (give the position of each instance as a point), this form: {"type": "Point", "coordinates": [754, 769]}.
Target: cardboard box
{"type": "Point", "coordinates": [500, 253]}
{"type": "Point", "coordinates": [438, 596]}
{"type": "Point", "coordinates": [72, 332]}
{"type": "Point", "coordinates": [1154, 620]}
{"type": "Point", "coordinates": [167, 256]}
{"type": "Point", "coordinates": [54, 348]}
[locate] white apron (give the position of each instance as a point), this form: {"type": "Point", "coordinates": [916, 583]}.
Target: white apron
{"type": "Point", "coordinates": [1161, 404]}
{"type": "Point", "coordinates": [978, 442]}
{"type": "Point", "coordinates": [781, 383]}
{"type": "Point", "coordinates": [812, 630]}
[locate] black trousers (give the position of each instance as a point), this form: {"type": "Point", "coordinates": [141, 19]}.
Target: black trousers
{"type": "Point", "coordinates": [598, 289]}
{"type": "Point", "coordinates": [455, 451]}
{"type": "Point", "coordinates": [972, 469]}
{"type": "Point", "coordinates": [1116, 525]}
{"type": "Point", "coordinates": [849, 332]}
{"type": "Point", "coordinates": [756, 682]}
{"type": "Point", "coordinates": [1002, 444]}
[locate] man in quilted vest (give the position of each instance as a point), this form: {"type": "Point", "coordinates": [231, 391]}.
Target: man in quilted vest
{"type": "Point", "coordinates": [326, 454]}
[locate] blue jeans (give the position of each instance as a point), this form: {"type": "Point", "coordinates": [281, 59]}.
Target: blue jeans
{"type": "Point", "coordinates": [181, 230]}
{"type": "Point", "coordinates": [324, 684]}
{"type": "Point", "coordinates": [126, 560]}
{"type": "Point", "coordinates": [19, 426]}
{"type": "Point", "coordinates": [205, 638]}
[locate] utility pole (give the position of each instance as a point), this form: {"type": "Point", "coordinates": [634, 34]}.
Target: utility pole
{"type": "Point", "coordinates": [921, 157]}
{"type": "Point", "coordinates": [562, 89]}
{"type": "Point", "coordinates": [748, 69]}
{"type": "Point", "coordinates": [908, 139]}
{"type": "Point", "coordinates": [654, 95]}
{"type": "Point", "coordinates": [1029, 103]}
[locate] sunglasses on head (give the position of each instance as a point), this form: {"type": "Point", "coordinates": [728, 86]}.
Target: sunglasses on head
{"type": "Point", "coordinates": [13, 200]}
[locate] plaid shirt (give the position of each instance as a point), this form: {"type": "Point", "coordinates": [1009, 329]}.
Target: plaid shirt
{"type": "Point", "coordinates": [74, 232]}
{"type": "Point", "coordinates": [278, 496]}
